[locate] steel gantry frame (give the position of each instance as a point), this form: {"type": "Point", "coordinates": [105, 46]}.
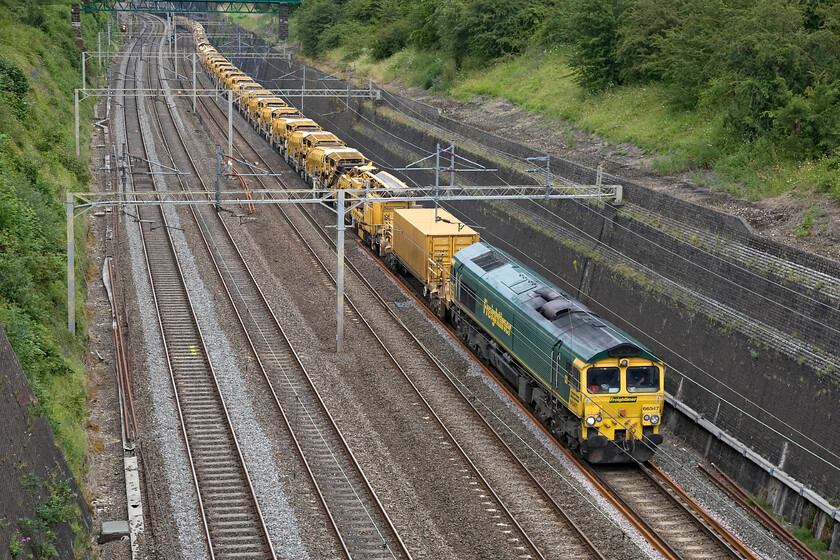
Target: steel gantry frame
{"type": "Point", "coordinates": [345, 200]}
{"type": "Point", "coordinates": [158, 6]}
{"type": "Point", "coordinates": [192, 93]}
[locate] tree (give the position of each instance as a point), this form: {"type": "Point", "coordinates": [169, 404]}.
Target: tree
{"type": "Point", "coordinates": [314, 18]}
{"type": "Point", "coordinates": [593, 28]}
{"type": "Point", "coordinates": [643, 26]}
{"type": "Point", "coordinates": [485, 29]}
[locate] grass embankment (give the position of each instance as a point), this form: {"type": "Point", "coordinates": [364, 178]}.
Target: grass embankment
{"type": "Point", "coordinates": [678, 140]}
{"type": "Point", "coordinates": [40, 67]}
{"type": "Point", "coordinates": [264, 25]}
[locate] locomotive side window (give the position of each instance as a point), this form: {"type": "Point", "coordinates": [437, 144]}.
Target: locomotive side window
{"type": "Point", "coordinates": [574, 376]}
{"type": "Point", "coordinates": [643, 379]}
{"type": "Point", "coordinates": [467, 297]}
{"type": "Point", "coordinates": [603, 379]}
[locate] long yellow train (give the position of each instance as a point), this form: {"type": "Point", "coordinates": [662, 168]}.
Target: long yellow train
{"type": "Point", "coordinates": [594, 386]}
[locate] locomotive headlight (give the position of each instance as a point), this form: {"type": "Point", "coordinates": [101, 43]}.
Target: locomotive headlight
{"type": "Point", "coordinates": [647, 417]}
{"type": "Point", "coordinates": [654, 419]}
{"type": "Point", "coordinates": [598, 418]}
{"type": "Point", "coordinates": [590, 421]}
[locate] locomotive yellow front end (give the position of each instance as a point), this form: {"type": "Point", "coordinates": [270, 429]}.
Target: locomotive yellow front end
{"type": "Point", "coordinates": [620, 404]}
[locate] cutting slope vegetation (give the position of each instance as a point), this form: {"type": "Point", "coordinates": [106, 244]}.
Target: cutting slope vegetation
{"type": "Point", "coordinates": [40, 66]}
{"type": "Point", "coordinates": [750, 90]}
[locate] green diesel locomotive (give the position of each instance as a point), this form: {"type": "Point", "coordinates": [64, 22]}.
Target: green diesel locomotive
{"type": "Point", "coordinates": [596, 387]}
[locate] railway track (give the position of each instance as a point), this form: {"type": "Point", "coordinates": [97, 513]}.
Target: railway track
{"type": "Point", "coordinates": [232, 520]}
{"type": "Point", "coordinates": [666, 513]}
{"type": "Point", "coordinates": [564, 534]}
{"type": "Point", "coordinates": [360, 524]}
{"type": "Point", "coordinates": [193, 382]}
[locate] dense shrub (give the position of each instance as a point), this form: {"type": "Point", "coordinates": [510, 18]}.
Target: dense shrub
{"type": "Point", "coordinates": [761, 69]}
{"type": "Point", "coordinates": [39, 69]}
{"type": "Point", "coordinates": [390, 40]}
{"type": "Point", "coordinates": [594, 25]}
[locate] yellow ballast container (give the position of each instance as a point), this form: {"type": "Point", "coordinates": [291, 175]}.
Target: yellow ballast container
{"type": "Point", "coordinates": [425, 246]}
{"type": "Point", "coordinates": [283, 125]}
{"type": "Point", "coordinates": [324, 161]}
{"type": "Point", "coordinates": [300, 141]}
{"type": "Point", "coordinates": [248, 92]}
{"type": "Point", "coordinates": [236, 81]}
{"type": "Point", "coordinates": [269, 113]}
{"type": "Point", "coordinates": [258, 102]}
{"type": "Point", "coordinates": [221, 68]}
{"type": "Point", "coordinates": [226, 73]}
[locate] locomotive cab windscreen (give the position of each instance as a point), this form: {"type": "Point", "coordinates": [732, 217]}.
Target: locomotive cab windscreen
{"type": "Point", "coordinates": [603, 380]}
{"type": "Point", "coordinates": [630, 379]}
{"type": "Point", "coordinates": [642, 379]}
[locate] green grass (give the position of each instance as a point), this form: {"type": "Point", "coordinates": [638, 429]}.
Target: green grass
{"type": "Point", "coordinates": [409, 66]}
{"type": "Point", "coordinates": [544, 84]}
{"type": "Point", "coordinates": [264, 25]}
{"type": "Point", "coordinates": [813, 543]}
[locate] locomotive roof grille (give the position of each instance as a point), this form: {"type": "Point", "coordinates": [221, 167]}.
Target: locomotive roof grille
{"type": "Point", "coordinates": [491, 260]}
{"type": "Point", "coordinates": [548, 293]}
{"type": "Point", "coordinates": [562, 318]}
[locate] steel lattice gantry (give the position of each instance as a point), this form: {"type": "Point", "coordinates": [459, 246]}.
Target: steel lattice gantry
{"type": "Point", "coordinates": [159, 6]}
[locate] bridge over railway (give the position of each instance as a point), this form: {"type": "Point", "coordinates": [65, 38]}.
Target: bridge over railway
{"type": "Point", "coordinates": [161, 6]}
{"type": "Point", "coordinates": [281, 8]}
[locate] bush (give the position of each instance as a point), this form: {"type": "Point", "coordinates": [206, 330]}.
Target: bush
{"type": "Point", "coordinates": [762, 70]}
{"type": "Point", "coordinates": [485, 29]}
{"type": "Point", "coordinates": [38, 72]}
{"type": "Point", "coordinates": [391, 39]}
{"type": "Point", "coordinates": [594, 24]}
{"type": "Point", "coordinates": [313, 18]}
{"type": "Point", "coordinates": [12, 78]}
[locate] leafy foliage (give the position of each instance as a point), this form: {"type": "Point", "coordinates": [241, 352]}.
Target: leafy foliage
{"type": "Point", "coordinates": [39, 530]}
{"type": "Point", "coordinates": [594, 24]}
{"type": "Point", "coordinates": [39, 69]}
{"type": "Point", "coordinates": [764, 72]}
